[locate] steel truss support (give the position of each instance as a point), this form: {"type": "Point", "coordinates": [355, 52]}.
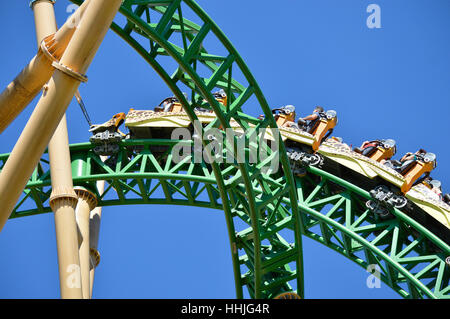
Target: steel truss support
{"type": "Point", "coordinates": [411, 259]}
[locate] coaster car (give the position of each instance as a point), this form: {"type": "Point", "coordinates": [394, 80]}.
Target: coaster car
{"type": "Point", "coordinates": [427, 195]}
{"type": "Point", "coordinates": [302, 140]}
{"type": "Point", "coordinates": [221, 97]}
{"type": "Point", "coordinates": [392, 171]}
{"type": "Point", "coordinates": [168, 115]}
{"type": "Point", "coordinates": [298, 134]}
{"type": "Point", "coordinates": [412, 170]}
{"type": "Point", "coordinates": [284, 116]}
{"type": "Point", "coordinates": [378, 150]}
{"type": "Point", "coordinates": [321, 128]}
{"type": "Point", "coordinates": [112, 125]}
{"type": "Point", "coordinates": [434, 185]}
{"type": "Point", "coordinates": [107, 135]}
{"type": "Point", "coordinates": [170, 104]}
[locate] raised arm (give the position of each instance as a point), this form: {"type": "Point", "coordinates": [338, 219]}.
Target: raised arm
{"type": "Point", "coordinates": [311, 117]}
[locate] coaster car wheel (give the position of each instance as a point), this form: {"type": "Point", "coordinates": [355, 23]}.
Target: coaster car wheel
{"type": "Point", "coordinates": [378, 209]}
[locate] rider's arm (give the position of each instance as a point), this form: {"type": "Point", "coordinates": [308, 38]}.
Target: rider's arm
{"type": "Point", "coordinates": [407, 157]}
{"type": "Point", "coordinates": [311, 117]}
{"type": "Point", "coordinates": [364, 144]}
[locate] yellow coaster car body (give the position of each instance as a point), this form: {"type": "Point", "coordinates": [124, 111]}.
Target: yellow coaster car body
{"type": "Point", "coordinates": [344, 155]}
{"type": "Point", "coordinates": [371, 168]}
{"type": "Point", "coordinates": [148, 118]}
{"type": "Point", "coordinates": [170, 114]}
{"type": "Point", "coordinates": [382, 154]}
{"type": "Point", "coordinates": [430, 202]}
{"type": "Point", "coordinates": [323, 127]}
{"type": "Point", "coordinates": [417, 170]}
{"type": "Point", "coordinates": [383, 150]}
{"type": "Point", "coordinates": [111, 125]}
{"type": "Point", "coordinates": [289, 130]}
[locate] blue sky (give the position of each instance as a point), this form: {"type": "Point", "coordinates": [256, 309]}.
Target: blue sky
{"type": "Point", "coordinates": [391, 82]}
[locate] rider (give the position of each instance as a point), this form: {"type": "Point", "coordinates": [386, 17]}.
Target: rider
{"type": "Point", "coordinates": [366, 147]}
{"type": "Point", "coordinates": [435, 186]}
{"type": "Point", "coordinates": [164, 106]}
{"type": "Point", "coordinates": [313, 119]}
{"type": "Point", "coordinates": [436, 189]}
{"type": "Point", "coordinates": [408, 158]}
{"type": "Point", "coordinates": [288, 110]}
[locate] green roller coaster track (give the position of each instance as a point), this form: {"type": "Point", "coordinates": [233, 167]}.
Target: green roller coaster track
{"type": "Point", "coordinates": [267, 213]}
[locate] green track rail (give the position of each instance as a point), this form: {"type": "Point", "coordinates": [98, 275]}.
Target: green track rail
{"type": "Point", "coordinates": [267, 214]}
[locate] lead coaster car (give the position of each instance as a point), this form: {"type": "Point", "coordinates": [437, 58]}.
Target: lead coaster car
{"type": "Point", "coordinates": [106, 136]}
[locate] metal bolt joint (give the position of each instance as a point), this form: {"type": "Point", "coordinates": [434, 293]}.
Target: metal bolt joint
{"type": "Point", "coordinates": [63, 196]}
{"type": "Point", "coordinates": [50, 48]}
{"type": "Point", "coordinates": [63, 200]}
{"type": "Point", "coordinates": [87, 196]}
{"type": "Point", "coordinates": [32, 2]}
